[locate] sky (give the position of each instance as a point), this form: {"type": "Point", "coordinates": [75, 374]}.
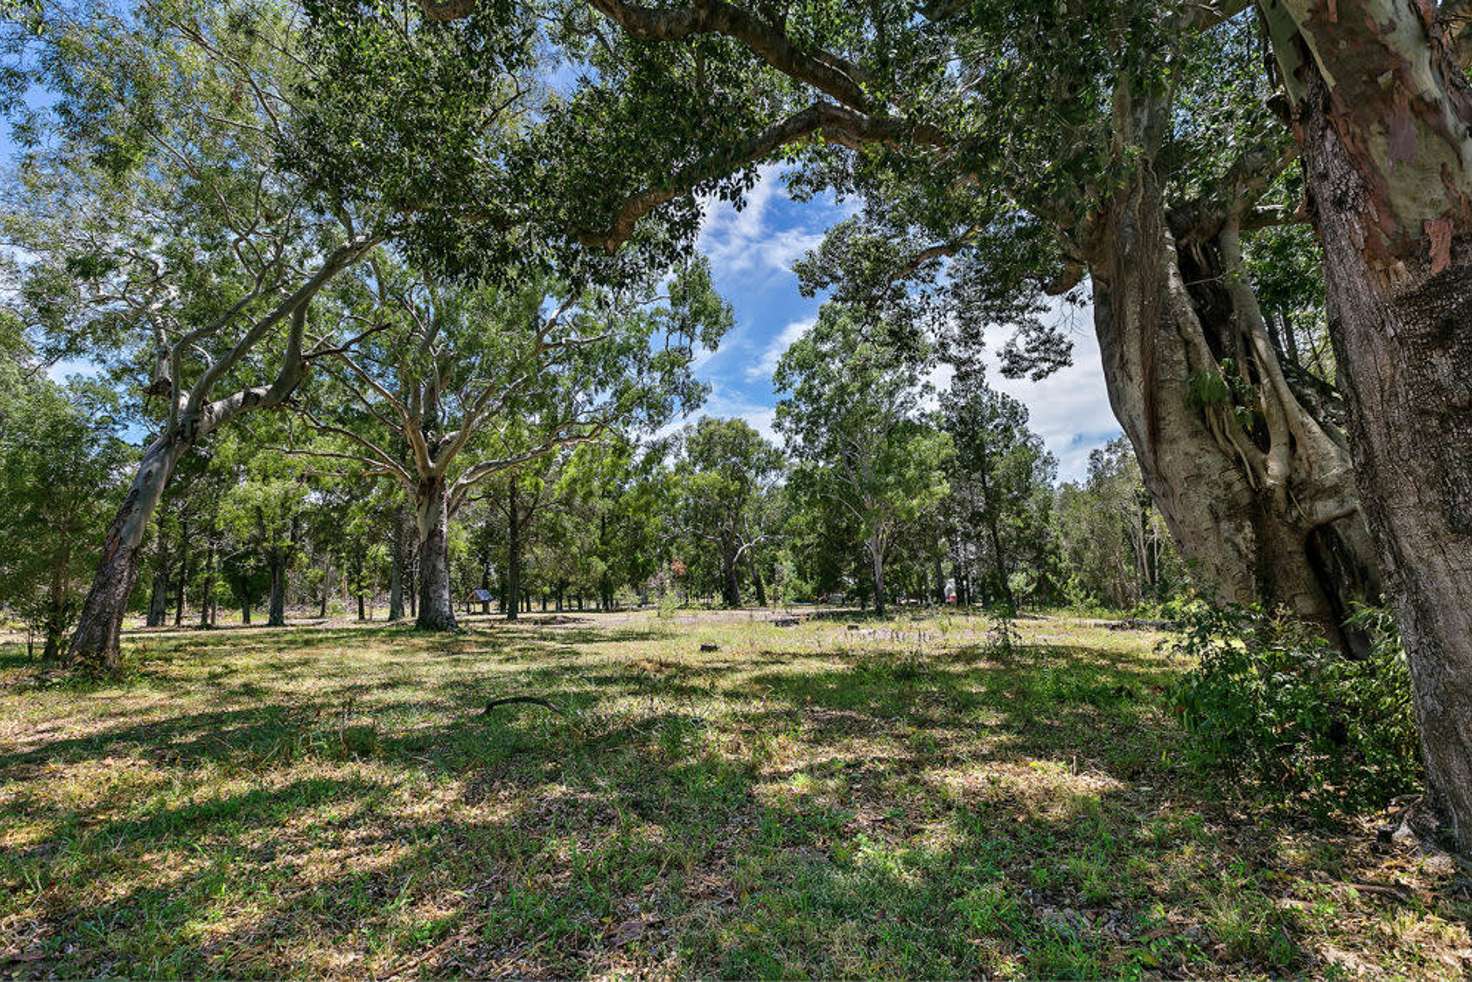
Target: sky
{"type": "Point", "coordinates": [751, 254]}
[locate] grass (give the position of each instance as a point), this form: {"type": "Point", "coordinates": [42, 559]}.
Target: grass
{"type": "Point", "coordinates": [896, 799]}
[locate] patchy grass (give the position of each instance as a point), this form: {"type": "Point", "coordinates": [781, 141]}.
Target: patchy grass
{"type": "Point", "coordinates": [892, 799]}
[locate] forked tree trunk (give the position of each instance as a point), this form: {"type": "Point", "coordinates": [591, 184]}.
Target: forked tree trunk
{"type": "Point", "coordinates": [432, 520]}
{"type": "Point", "coordinates": [97, 643]}
{"type": "Point", "coordinates": [1266, 513]}
{"type": "Point", "coordinates": [1388, 161]}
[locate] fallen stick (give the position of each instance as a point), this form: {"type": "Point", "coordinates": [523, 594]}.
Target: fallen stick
{"type": "Point", "coordinates": [520, 700]}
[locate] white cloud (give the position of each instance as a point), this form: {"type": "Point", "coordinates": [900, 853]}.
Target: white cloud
{"type": "Point", "coordinates": [777, 347]}
{"type": "Point", "coordinates": [746, 244]}
{"type": "Point", "coordinates": [1070, 408]}
{"type": "Point", "coordinates": [726, 405]}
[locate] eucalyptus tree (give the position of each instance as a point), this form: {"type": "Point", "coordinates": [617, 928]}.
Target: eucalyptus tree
{"type": "Point", "coordinates": [1129, 141]}
{"type": "Point", "coordinates": [464, 383]}
{"type": "Point", "coordinates": [852, 420]}
{"type": "Point", "coordinates": [1111, 539]}
{"type": "Point", "coordinates": [266, 511]}
{"type": "Point", "coordinates": [724, 482]}
{"type": "Point", "coordinates": [1381, 105]}
{"type": "Point", "coordinates": [519, 500]}
{"type": "Point", "coordinates": [161, 236]}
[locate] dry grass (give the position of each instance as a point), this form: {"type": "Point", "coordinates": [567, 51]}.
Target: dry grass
{"type": "Point", "coordinates": [897, 799]}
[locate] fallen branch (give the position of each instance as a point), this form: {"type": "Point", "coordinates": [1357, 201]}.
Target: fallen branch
{"type": "Point", "coordinates": [520, 700]}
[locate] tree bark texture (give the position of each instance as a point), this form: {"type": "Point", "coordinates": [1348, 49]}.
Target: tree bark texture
{"type": "Point", "coordinates": [97, 643]}
{"type": "Point", "coordinates": [1258, 493]}
{"type": "Point", "coordinates": [1383, 118]}
{"type": "Point", "coordinates": [432, 521]}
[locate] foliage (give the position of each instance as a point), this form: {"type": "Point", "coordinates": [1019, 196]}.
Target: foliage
{"type": "Point", "coordinates": [1270, 700]}
{"type": "Point", "coordinates": [1111, 539]}
{"type": "Point", "coordinates": [61, 458]}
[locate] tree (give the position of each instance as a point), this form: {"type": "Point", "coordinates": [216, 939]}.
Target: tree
{"type": "Point", "coordinates": [463, 383]}
{"type": "Point", "coordinates": [999, 470]}
{"type": "Point", "coordinates": [725, 480]}
{"type": "Point", "coordinates": [265, 512]}
{"type": "Point", "coordinates": [1112, 540]}
{"type": "Point", "coordinates": [60, 455]}
{"type": "Point", "coordinates": [852, 421]}
{"type": "Point", "coordinates": [165, 237]}
{"type": "Point", "coordinates": [1381, 105]}
{"type": "Point", "coordinates": [1039, 145]}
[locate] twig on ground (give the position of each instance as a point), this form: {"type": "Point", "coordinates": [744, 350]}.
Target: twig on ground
{"type": "Point", "coordinates": [520, 700]}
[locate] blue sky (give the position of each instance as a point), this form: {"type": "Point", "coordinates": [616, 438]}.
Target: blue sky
{"type": "Point", "coordinates": [751, 254]}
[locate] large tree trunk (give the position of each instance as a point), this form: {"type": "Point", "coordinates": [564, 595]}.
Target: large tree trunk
{"type": "Point", "coordinates": [432, 520]}
{"type": "Point", "coordinates": [1388, 162]}
{"type": "Point", "coordinates": [97, 643]}
{"type": "Point", "coordinates": [1264, 513]}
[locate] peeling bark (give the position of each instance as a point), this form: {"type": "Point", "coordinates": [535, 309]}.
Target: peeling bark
{"type": "Point", "coordinates": [1383, 118]}
{"type": "Point", "coordinates": [97, 643]}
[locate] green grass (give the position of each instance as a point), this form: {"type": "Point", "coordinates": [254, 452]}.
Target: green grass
{"type": "Point", "coordinates": [812, 801]}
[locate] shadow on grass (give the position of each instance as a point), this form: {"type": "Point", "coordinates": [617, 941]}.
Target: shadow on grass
{"type": "Point", "coordinates": [865, 813]}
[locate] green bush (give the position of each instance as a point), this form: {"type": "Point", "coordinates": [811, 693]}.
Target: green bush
{"type": "Point", "coordinates": [1271, 701]}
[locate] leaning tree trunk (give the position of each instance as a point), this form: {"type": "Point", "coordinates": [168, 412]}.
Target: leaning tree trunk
{"type": "Point", "coordinates": [97, 643]}
{"type": "Point", "coordinates": [1263, 512]}
{"type": "Point", "coordinates": [432, 520]}
{"type": "Point", "coordinates": [1383, 114]}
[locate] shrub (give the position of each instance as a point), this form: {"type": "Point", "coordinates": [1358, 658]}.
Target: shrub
{"type": "Point", "coordinates": [1271, 701]}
